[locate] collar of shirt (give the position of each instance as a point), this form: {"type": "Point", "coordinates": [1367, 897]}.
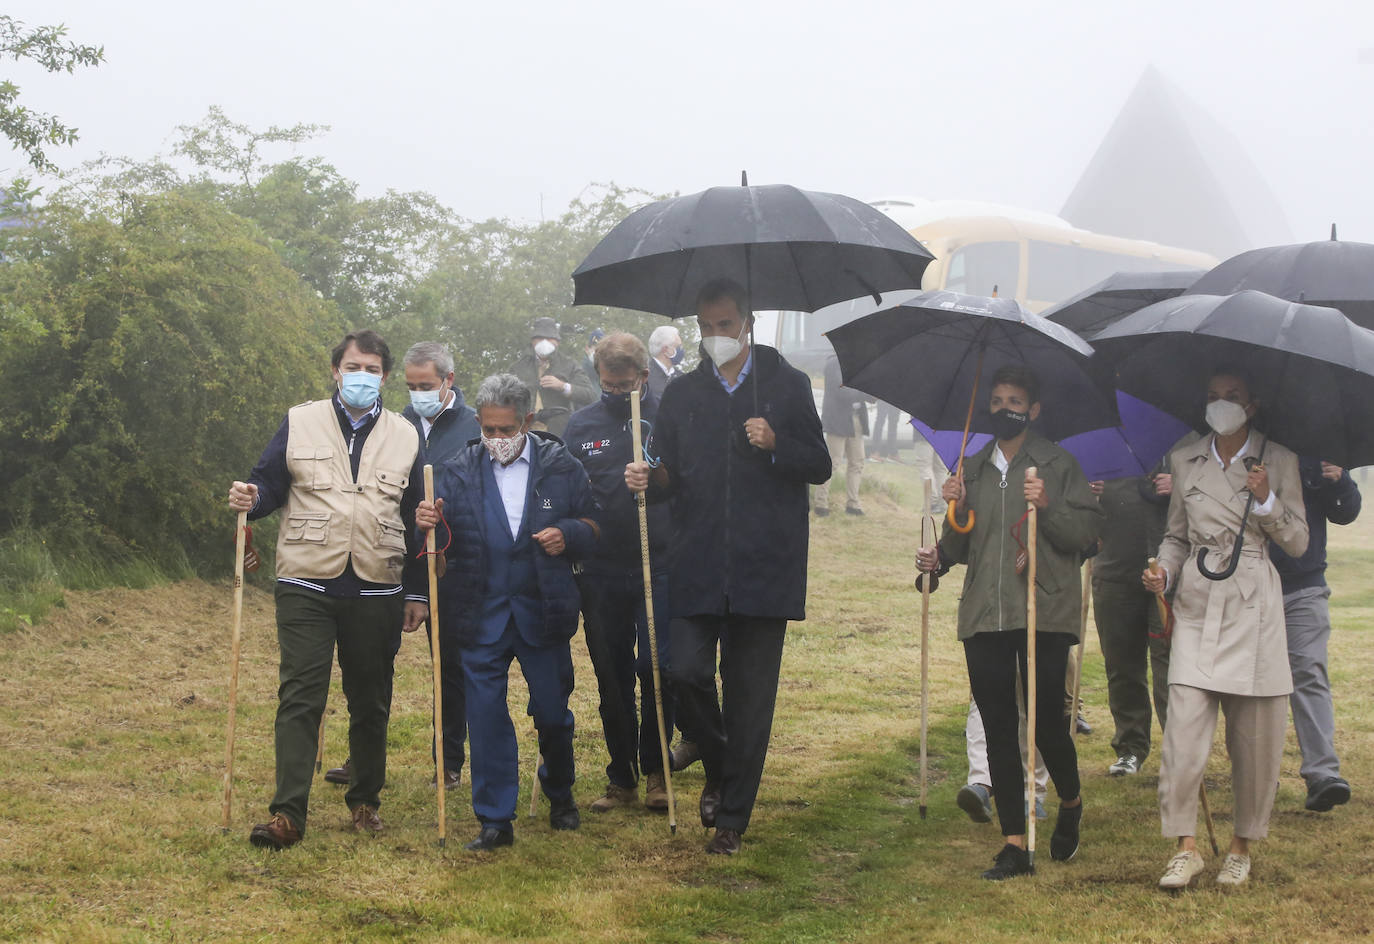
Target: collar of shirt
{"type": "Point", "coordinates": [1241, 453]}
{"type": "Point", "coordinates": [743, 372]}
{"type": "Point", "coordinates": [1000, 460]}
{"type": "Point", "coordinates": [512, 481]}
{"type": "Point", "coordinates": [363, 420]}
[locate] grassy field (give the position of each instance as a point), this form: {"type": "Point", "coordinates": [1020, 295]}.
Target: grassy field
{"type": "Point", "coordinates": [112, 720]}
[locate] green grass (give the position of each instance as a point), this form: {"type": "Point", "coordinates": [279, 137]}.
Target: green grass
{"type": "Point", "coordinates": [112, 722]}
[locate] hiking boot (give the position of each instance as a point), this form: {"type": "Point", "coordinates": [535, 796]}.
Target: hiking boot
{"type": "Point", "coordinates": [277, 833]}
{"type": "Point", "coordinates": [724, 842]}
{"type": "Point", "coordinates": [615, 796]}
{"type": "Point", "coordinates": [656, 792]}
{"type": "Point", "coordinates": [1182, 870]}
{"type": "Point", "coordinates": [1009, 863]}
{"type": "Point", "coordinates": [1322, 796]}
{"type": "Point", "coordinates": [366, 820]}
{"type": "Point", "coordinates": [1125, 765]}
{"type": "Point", "coordinates": [1235, 869]}
{"type": "Point", "coordinates": [1064, 839]}
{"type": "Point", "coordinates": [975, 800]}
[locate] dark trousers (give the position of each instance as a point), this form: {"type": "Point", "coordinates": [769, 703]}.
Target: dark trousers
{"type": "Point", "coordinates": [455, 704]}
{"type": "Point", "coordinates": [994, 659]}
{"type": "Point", "coordinates": [1127, 616]}
{"type": "Point", "coordinates": [615, 623]}
{"type": "Point", "coordinates": [494, 764]}
{"type": "Point", "coordinates": [367, 632]}
{"type": "Point", "coordinates": [732, 732]}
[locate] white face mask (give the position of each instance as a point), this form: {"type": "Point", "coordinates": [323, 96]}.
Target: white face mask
{"type": "Point", "coordinates": [544, 347]}
{"type": "Point", "coordinates": [1225, 416]}
{"type": "Point", "coordinates": [505, 451]}
{"type": "Point", "coordinates": [722, 349]}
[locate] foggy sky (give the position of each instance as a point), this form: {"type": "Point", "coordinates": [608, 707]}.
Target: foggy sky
{"type": "Point", "coordinates": [501, 108]}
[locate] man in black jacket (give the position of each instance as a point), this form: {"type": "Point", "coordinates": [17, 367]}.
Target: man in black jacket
{"type": "Point", "coordinates": [612, 582]}
{"type": "Point", "coordinates": [738, 441]}
{"type": "Point", "coordinates": [559, 383]}
{"type": "Point", "coordinates": [1329, 494]}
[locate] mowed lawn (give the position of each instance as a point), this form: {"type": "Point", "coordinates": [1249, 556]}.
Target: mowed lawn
{"type": "Point", "coordinates": [112, 725]}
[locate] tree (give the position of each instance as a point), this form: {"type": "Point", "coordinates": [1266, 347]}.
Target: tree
{"type": "Point", "coordinates": [146, 357]}
{"type": "Point", "coordinates": [32, 131]}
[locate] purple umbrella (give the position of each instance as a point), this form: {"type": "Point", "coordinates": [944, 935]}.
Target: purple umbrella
{"type": "Point", "coordinates": [1114, 452]}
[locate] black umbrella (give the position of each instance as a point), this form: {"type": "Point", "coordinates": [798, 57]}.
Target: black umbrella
{"type": "Point", "coordinates": [1331, 272]}
{"type": "Point", "coordinates": [793, 250]}
{"type": "Point", "coordinates": [1117, 296]}
{"type": "Point", "coordinates": [1311, 368]}
{"type": "Point", "coordinates": [931, 355]}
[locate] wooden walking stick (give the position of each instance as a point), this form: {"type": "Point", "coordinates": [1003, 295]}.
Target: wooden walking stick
{"type": "Point", "coordinates": [1082, 644]}
{"type": "Point", "coordinates": [319, 749]}
{"type": "Point", "coordinates": [239, 538]}
{"type": "Point", "coordinates": [431, 556]}
{"type": "Point", "coordinates": [649, 615]}
{"type": "Point", "coordinates": [1164, 619]}
{"type": "Point", "coordinates": [1030, 673]}
{"type": "Point", "coordinates": [925, 641]}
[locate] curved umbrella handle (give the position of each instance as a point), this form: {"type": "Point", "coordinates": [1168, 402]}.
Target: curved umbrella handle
{"type": "Point", "coordinates": [1250, 463]}
{"type": "Point", "coordinates": [954, 523]}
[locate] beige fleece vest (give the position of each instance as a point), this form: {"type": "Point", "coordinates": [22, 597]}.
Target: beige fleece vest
{"type": "Point", "coordinates": [328, 516]}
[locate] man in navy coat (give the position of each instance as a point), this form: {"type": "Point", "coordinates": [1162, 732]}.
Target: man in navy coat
{"type": "Point", "coordinates": [520, 508]}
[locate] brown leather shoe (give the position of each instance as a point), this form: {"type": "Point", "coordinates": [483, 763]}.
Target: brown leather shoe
{"type": "Point", "coordinates": [684, 755]}
{"type": "Point", "coordinates": [340, 774]}
{"type": "Point", "coordinates": [366, 820]}
{"type": "Point", "coordinates": [276, 834]}
{"type": "Point", "coordinates": [710, 804]}
{"type": "Point", "coordinates": [656, 792]}
{"type": "Point", "coordinates": [724, 842]}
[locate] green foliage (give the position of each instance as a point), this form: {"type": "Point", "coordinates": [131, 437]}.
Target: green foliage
{"type": "Point", "coordinates": [32, 131]}
{"type": "Point", "coordinates": [146, 358]}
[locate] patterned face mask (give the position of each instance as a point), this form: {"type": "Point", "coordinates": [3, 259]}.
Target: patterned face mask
{"type": "Point", "coordinates": [505, 451]}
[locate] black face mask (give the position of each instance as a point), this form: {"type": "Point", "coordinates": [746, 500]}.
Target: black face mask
{"type": "Point", "coordinates": [1008, 424]}
{"type": "Point", "coordinates": [617, 404]}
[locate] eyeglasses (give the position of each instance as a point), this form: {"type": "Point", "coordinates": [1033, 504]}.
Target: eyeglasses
{"type": "Point", "coordinates": [626, 387]}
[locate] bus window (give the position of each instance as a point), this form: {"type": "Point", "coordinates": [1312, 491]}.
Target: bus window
{"type": "Point", "coordinates": [1058, 271]}
{"type": "Point", "coordinates": [978, 268]}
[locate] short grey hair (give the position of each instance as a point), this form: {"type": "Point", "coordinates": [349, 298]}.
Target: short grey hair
{"type": "Point", "coordinates": [430, 352]}
{"type": "Point", "coordinates": [661, 337]}
{"type": "Point", "coordinates": [505, 390]}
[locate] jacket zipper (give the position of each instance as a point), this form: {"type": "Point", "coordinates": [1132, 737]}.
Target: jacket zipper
{"type": "Point", "coordinates": [1002, 546]}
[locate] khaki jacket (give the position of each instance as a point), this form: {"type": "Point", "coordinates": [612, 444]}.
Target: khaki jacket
{"type": "Point", "coordinates": [994, 596]}
{"type": "Point", "coordinates": [1229, 634]}
{"type": "Point", "coordinates": [328, 518]}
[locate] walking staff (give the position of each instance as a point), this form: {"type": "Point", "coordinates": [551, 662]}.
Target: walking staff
{"type": "Point", "coordinates": [239, 535]}
{"type": "Point", "coordinates": [1082, 644]}
{"type": "Point", "coordinates": [927, 520]}
{"type": "Point", "coordinates": [1031, 686]}
{"type": "Point", "coordinates": [431, 556]}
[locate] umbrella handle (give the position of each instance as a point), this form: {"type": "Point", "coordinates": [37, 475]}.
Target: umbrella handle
{"type": "Point", "coordinates": [1230, 568]}
{"type": "Point", "coordinates": [952, 518]}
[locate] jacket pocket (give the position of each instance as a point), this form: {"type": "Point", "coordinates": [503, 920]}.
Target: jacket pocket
{"type": "Point", "coordinates": [392, 484]}
{"type": "Point", "coordinates": [310, 467]}
{"type": "Point", "coordinates": [391, 537]}
{"type": "Point", "coordinates": [307, 528]}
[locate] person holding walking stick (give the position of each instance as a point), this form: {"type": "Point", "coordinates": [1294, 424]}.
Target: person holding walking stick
{"type": "Point", "coordinates": [996, 486]}
{"type": "Point", "coordinates": [1229, 641]}
{"type": "Point", "coordinates": [738, 441]}
{"type": "Point", "coordinates": [347, 477]}
{"type": "Point", "coordinates": [615, 618]}
{"type": "Point", "coordinates": [519, 509]}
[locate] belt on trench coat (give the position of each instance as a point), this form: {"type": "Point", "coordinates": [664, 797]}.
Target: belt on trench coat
{"type": "Point", "coordinates": [1216, 602]}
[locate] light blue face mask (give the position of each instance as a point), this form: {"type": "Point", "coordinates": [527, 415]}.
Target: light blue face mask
{"type": "Point", "coordinates": [359, 389]}
{"type": "Point", "coordinates": [428, 403]}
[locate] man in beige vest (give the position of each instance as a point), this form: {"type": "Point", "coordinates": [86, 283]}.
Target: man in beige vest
{"type": "Point", "coordinates": [346, 475]}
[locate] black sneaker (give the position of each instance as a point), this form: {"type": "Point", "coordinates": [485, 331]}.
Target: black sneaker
{"type": "Point", "coordinates": [1322, 796]}
{"type": "Point", "coordinates": [1009, 863]}
{"type": "Point", "coordinates": [564, 816]}
{"type": "Point", "coordinates": [1064, 839]}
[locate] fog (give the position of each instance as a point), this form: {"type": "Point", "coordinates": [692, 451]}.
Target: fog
{"type": "Point", "coordinates": [512, 109]}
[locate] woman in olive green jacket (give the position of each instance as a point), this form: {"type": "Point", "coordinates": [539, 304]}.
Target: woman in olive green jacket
{"type": "Point", "coordinates": [992, 610]}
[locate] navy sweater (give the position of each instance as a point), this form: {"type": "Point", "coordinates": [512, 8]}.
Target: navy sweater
{"type": "Point", "coordinates": [1337, 502]}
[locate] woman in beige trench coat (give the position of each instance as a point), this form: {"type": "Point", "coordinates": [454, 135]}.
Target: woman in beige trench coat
{"type": "Point", "coordinates": [1229, 644]}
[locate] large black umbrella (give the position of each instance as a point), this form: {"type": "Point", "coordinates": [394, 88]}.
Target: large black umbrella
{"type": "Point", "coordinates": [1332, 272]}
{"type": "Point", "coordinates": [932, 354]}
{"type": "Point", "coordinates": [794, 250]}
{"type": "Point", "coordinates": [1311, 368]}
{"type": "Point", "coordinates": [1117, 296]}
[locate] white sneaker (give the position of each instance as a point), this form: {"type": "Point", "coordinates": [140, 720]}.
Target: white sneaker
{"type": "Point", "coordinates": [1182, 870]}
{"type": "Point", "coordinates": [1125, 765]}
{"type": "Point", "coordinates": [1235, 869]}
